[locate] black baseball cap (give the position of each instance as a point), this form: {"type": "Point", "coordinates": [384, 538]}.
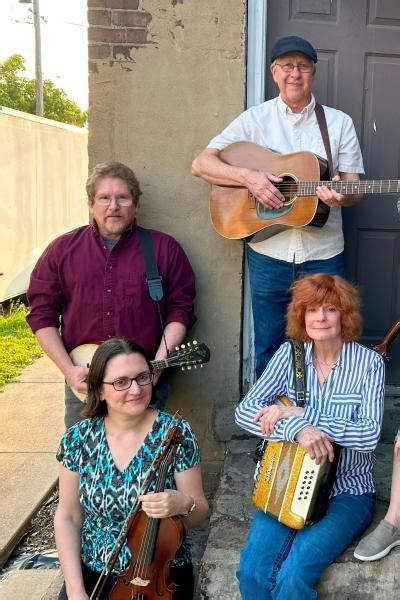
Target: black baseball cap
{"type": "Point", "coordinates": [293, 43]}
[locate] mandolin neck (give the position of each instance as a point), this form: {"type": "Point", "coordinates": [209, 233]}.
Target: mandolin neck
{"type": "Point", "coordinates": [385, 186]}
{"type": "Point", "coordinates": [160, 364]}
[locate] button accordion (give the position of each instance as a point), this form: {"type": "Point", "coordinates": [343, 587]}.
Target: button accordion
{"type": "Point", "coordinates": [290, 486]}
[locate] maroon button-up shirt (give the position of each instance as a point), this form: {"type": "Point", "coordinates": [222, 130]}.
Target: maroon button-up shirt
{"type": "Point", "coordinates": [94, 294]}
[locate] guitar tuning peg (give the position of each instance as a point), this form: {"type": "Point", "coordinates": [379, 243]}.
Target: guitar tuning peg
{"type": "Point", "coordinates": [176, 348]}
{"type": "Point", "coordinates": [183, 346]}
{"type": "Point", "coordinates": [201, 366]}
{"type": "Point", "coordinates": [182, 368]}
{"type": "Point", "coordinates": [189, 368]}
{"type": "Point", "coordinates": [194, 342]}
{"type": "Point", "coordinates": [195, 366]}
{"type": "Point", "coordinates": [188, 344]}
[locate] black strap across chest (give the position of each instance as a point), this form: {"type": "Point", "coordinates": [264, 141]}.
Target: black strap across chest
{"type": "Point", "coordinates": [153, 277]}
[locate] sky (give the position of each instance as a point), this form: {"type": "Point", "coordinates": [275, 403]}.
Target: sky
{"type": "Point", "coordinates": [64, 42]}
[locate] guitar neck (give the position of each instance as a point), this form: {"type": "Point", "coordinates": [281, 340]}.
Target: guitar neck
{"type": "Point", "coordinates": [385, 186]}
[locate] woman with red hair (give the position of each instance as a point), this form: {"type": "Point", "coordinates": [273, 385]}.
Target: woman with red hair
{"type": "Point", "coordinates": [344, 404]}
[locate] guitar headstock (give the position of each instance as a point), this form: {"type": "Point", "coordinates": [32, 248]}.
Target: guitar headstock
{"type": "Point", "coordinates": [189, 355]}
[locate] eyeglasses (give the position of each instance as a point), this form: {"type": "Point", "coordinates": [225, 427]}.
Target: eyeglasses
{"type": "Point", "coordinates": [124, 383]}
{"type": "Point", "coordinates": [302, 67]}
{"type": "Point", "coordinates": [121, 200]}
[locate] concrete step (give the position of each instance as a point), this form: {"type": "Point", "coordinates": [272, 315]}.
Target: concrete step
{"type": "Point", "coordinates": [346, 578]}
{"type": "Point", "coordinates": [43, 584]}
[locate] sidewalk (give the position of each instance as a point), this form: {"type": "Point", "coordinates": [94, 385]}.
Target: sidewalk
{"type": "Point", "coordinates": [31, 426]}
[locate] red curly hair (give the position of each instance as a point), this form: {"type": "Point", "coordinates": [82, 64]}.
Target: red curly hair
{"type": "Point", "coordinates": [319, 289]}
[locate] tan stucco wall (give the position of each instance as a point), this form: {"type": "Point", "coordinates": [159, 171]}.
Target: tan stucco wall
{"type": "Point", "coordinates": [155, 112]}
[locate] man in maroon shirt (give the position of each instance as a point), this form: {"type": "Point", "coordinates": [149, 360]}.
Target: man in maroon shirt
{"type": "Point", "coordinates": [90, 284]}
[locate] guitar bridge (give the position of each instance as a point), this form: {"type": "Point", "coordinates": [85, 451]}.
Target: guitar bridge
{"type": "Point", "coordinates": [252, 201]}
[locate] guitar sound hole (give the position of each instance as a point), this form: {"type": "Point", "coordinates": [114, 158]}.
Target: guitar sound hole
{"type": "Point", "coordinates": [288, 187]}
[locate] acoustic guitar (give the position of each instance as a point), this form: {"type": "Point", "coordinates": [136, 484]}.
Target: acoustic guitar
{"type": "Point", "coordinates": [187, 356]}
{"type": "Point", "coordinates": [236, 214]}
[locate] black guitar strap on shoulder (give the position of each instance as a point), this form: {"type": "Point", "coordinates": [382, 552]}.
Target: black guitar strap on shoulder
{"type": "Point", "coordinates": [320, 114]}
{"type": "Point", "coordinates": [299, 376]}
{"type": "Point", "coordinates": [153, 277]}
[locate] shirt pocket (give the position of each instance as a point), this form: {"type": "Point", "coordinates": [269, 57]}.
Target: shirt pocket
{"type": "Point", "coordinates": [344, 406]}
{"type": "Point", "coordinates": [134, 293]}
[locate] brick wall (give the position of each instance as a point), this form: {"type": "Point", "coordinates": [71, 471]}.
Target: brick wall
{"type": "Point", "coordinates": [116, 28]}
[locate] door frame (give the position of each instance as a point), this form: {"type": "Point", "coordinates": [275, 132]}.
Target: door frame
{"type": "Point", "coordinates": [256, 65]}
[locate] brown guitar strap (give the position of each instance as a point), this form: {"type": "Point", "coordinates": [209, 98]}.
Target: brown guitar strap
{"type": "Point", "coordinates": [320, 114]}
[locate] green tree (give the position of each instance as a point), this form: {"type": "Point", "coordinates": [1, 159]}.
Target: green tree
{"type": "Point", "coordinates": [18, 91]}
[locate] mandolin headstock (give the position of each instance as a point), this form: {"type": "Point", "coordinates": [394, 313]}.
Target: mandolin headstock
{"type": "Point", "coordinates": [187, 356]}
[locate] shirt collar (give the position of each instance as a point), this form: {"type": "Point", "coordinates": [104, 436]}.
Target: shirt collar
{"type": "Point", "coordinates": [286, 110]}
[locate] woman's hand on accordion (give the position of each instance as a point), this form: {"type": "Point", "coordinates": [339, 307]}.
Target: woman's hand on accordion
{"type": "Point", "coordinates": [317, 443]}
{"type": "Point", "coordinates": [270, 415]}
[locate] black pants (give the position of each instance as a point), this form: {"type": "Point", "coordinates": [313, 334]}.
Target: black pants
{"type": "Point", "coordinates": [182, 576]}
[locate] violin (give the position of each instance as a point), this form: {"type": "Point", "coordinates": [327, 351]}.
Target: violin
{"type": "Point", "coordinates": [152, 542]}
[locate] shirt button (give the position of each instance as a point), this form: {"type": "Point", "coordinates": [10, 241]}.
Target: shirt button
{"type": "Point", "coordinates": [109, 290]}
{"type": "Point", "coordinates": [110, 267]}
{"type": "Point", "coordinates": [109, 335]}
{"type": "Point", "coordinates": [108, 313]}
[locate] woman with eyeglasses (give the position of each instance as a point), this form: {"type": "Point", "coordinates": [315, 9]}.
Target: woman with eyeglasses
{"type": "Point", "coordinates": [104, 460]}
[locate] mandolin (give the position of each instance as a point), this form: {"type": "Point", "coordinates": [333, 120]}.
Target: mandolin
{"type": "Point", "coordinates": [236, 214]}
{"type": "Point", "coordinates": [186, 356]}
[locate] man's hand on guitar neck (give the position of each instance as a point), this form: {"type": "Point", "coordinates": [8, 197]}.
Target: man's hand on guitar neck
{"type": "Point", "coordinates": [335, 200]}
{"type": "Point", "coordinates": [330, 197]}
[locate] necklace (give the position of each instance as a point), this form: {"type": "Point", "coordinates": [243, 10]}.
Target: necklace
{"type": "Point", "coordinates": [321, 362]}
{"type": "Point", "coordinates": [320, 371]}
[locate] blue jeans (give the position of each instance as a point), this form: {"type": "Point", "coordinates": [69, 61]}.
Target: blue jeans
{"type": "Point", "coordinates": [280, 563]}
{"type": "Point", "coordinates": [270, 280]}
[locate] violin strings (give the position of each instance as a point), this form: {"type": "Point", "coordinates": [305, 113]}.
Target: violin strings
{"type": "Point", "coordinates": [151, 524]}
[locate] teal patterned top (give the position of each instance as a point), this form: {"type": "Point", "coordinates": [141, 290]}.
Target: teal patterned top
{"type": "Point", "coordinates": [108, 494]}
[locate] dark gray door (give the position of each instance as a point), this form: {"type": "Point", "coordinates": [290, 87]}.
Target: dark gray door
{"type": "Point", "coordinates": [358, 71]}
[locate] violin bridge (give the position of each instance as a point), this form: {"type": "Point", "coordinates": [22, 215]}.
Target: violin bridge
{"type": "Point", "coordinates": [139, 581]}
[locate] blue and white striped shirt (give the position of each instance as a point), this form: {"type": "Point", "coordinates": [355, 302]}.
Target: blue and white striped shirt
{"type": "Point", "coordinates": [349, 408]}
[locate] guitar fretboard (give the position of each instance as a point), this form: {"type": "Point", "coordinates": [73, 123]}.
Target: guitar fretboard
{"type": "Point", "coordinates": [384, 186]}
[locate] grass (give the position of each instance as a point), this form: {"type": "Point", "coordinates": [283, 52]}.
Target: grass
{"type": "Point", "coordinates": [18, 345]}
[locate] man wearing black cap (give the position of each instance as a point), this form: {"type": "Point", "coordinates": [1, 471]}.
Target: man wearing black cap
{"type": "Point", "coordinates": [286, 124]}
